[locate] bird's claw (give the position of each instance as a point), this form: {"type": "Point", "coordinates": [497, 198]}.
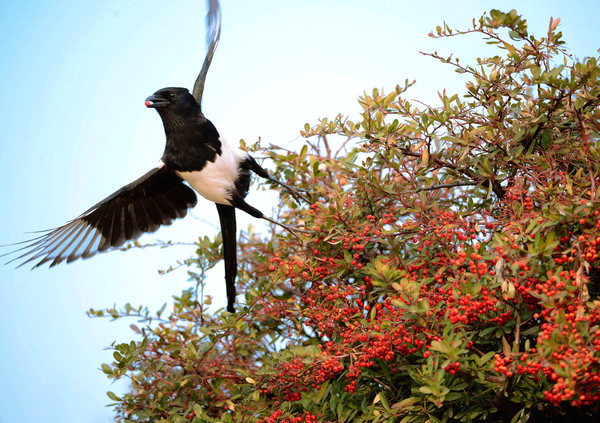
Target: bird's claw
{"type": "Point", "coordinates": [295, 192]}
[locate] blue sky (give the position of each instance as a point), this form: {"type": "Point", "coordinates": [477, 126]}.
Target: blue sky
{"type": "Point", "coordinates": [73, 78]}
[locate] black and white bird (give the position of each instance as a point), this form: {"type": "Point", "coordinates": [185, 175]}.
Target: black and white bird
{"type": "Point", "coordinates": [194, 153]}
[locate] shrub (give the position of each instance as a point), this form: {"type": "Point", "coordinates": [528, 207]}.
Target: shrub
{"type": "Point", "coordinates": [448, 270]}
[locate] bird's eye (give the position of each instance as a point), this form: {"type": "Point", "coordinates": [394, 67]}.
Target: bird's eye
{"type": "Point", "coordinates": [172, 96]}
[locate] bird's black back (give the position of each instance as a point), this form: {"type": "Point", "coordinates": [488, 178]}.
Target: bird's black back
{"type": "Point", "coordinates": [192, 145]}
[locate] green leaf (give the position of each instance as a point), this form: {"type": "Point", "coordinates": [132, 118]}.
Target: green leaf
{"type": "Point", "coordinates": [198, 411]}
{"type": "Point", "coordinates": [425, 390]}
{"type": "Point", "coordinates": [113, 396]}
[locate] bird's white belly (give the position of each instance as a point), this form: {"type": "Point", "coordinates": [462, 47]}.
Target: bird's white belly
{"type": "Point", "coordinates": [216, 180]}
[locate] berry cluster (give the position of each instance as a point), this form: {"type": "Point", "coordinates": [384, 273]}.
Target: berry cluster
{"type": "Point", "coordinates": [567, 345]}
{"type": "Point", "coordinates": [278, 417]}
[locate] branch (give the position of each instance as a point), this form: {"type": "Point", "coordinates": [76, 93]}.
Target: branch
{"type": "Point", "coordinates": [527, 141]}
{"type": "Point", "coordinates": [440, 186]}
{"type": "Point", "coordinates": [496, 187]}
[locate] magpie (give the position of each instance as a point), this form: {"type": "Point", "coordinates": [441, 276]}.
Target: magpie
{"type": "Point", "coordinates": [195, 154]}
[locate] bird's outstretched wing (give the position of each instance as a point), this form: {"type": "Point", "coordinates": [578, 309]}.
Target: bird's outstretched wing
{"type": "Point", "coordinates": [155, 199]}
{"type": "Point", "coordinates": [213, 33]}
{"type": "Point", "coordinates": [228, 233]}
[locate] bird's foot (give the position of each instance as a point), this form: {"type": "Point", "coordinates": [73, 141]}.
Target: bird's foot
{"type": "Point", "coordinates": [294, 191]}
{"type": "Point", "coordinates": [290, 228]}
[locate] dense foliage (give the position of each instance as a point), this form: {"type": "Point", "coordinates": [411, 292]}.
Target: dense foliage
{"type": "Point", "coordinates": [447, 267]}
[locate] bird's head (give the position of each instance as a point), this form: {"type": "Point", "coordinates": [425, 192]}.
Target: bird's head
{"type": "Point", "coordinates": [173, 101]}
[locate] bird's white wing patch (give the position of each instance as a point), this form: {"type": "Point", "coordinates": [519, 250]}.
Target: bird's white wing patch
{"type": "Point", "coordinates": [216, 180]}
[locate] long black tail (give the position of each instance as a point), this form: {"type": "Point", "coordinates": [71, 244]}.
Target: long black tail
{"type": "Point", "coordinates": [229, 234]}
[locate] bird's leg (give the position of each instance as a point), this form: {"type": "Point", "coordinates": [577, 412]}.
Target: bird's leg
{"type": "Point", "coordinates": [241, 204]}
{"type": "Point", "coordinates": [252, 165]}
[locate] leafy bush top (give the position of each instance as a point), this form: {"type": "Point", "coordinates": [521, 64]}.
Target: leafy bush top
{"type": "Point", "coordinates": [448, 268]}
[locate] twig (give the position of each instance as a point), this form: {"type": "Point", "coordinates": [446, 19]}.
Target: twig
{"type": "Point", "coordinates": [440, 186]}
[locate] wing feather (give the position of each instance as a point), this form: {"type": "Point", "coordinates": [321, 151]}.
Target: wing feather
{"type": "Point", "coordinates": [155, 199]}
{"type": "Point", "coordinates": [213, 33]}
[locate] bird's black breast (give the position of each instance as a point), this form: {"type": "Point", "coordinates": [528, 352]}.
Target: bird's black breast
{"type": "Point", "coordinates": [192, 145]}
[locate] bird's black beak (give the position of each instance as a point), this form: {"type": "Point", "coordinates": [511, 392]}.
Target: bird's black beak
{"type": "Point", "coordinates": [155, 102]}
